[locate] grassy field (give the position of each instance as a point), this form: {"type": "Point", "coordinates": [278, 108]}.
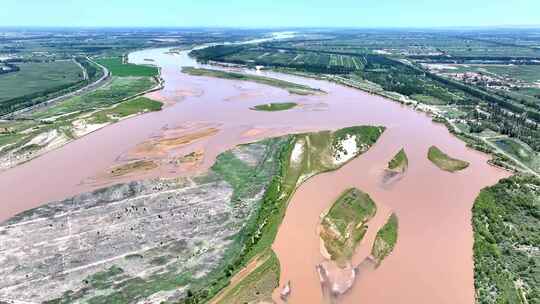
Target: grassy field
{"type": "Point", "coordinates": [399, 162]}
{"type": "Point", "coordinates": [323, 151]}
{"type": "Point", "coordinates": [345, 224]}
{"type": "Point", "coordinates": [120, 88]}
{"type": "Point", "coordinates": [117, 68]}
{"type": "Point", "coordinates": [528, 73]}
{"type": "Point", "coordinates": [507, 241]}
{"type": "Point", "coordinates": [36, 77]}
{"type": "Point", "coordinates": [257, 286]}
{"type": "Point", "coordinates": [386, 239]}
{"type": "Point", "coordinates": [430, 100]}
{"type": "Point", "coordinates": [445, 162]}
{"type": "Point", "coordinates": [520, 151]}
{"type": "Point", "coordinates": [293, 88]}
{"type": "Point", "coordinates": [275, 106]}
{"type": "Point", "coordinates": [127, 108]}
{"type": "Point", "coordinates": [335, 63]}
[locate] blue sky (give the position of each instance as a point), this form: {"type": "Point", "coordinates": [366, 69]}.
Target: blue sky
{"type": "Point", "coordinates": [265, 13]}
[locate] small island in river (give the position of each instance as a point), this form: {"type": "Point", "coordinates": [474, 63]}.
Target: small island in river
{"type": "Point", "coordinates": [344, 226]}
{"type": "Point", "coordinates": [445, 162]}
{"type": "Point", "coordinates": [275, 106]}
{"type": "Point", "coordinates": [399, 163]}
{"type": "Point", "coordinates": [291, 87]}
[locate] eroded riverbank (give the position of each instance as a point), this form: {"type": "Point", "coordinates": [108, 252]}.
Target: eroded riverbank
{"type": "Point", "coordinates": [432, 261]}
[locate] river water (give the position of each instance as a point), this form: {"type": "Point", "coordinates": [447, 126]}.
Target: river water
{"type": "Point", "coordinates": [432, 262]}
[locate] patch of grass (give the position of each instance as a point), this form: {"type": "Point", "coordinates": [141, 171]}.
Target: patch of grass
{"type": "Point", "coordinates": [9, 138]}
{"type": "Point", "coordinates": [386, 239]}
{"type": "Point", "coordinates": [445, 162]}
{"type": "Point", "coordinates": [520, 151]}
{"type": "Point", "coordinates": [103, 279]}
{"type": "Point", "coordinates": [322, 148]}
{"type": "Point", "coordinates": [427, 99]}
{"type": "Point", "coordinates": [344, 226]}
{"type": "Point", "coordinates": [258, 285]}
{"type": "Point", "coordinates": [135, 289]}
{"type": "Point", "coordinates": [126, 108]}
{"type": "Point", "coordinates": [399, 162]}
{"type": "Point", "coordinates": [291, 87]}
{"type": "Point", "coordinates": [528, 73]}
{"type": "Point", "coordinates": [278, 106]}
{"type": "Point", "coordinates": [119, 89]}
{"type": "Point", "coordinates": [117, 68]}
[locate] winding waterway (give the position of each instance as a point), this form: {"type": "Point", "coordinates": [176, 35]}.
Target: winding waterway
{"type": "Point", "coordinates": [432, 262]}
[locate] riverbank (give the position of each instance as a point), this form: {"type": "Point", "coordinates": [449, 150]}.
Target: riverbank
{"type": "Point", "coordinates": [53, 124]}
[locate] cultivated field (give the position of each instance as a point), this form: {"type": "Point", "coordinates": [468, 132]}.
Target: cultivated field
{"type": "Point", "coordinates": [35, 77]}
{"type": "Point", "coordinates": [120, 69]}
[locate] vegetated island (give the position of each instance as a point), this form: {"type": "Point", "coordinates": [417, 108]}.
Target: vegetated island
{"type": "Point", "coordinates": [291, 87]}
{"type": "Point", "coordinates": [445, 162]}
{"type": "Point", "coordinates": [181, 240]}
{"type": "Point", "coordinates": [275, 106]}
{"type": "Point", "coordinates": [345, 224]}
{"type": "Point", "coordinates": [399, 162]}
{"type": "Point", "coordinates": [385, 240]}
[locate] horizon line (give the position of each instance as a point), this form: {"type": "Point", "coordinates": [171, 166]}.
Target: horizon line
{"type": "Point", "coordinates": [509, 26]}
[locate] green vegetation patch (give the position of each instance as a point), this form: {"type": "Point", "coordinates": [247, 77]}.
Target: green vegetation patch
{"type": "Point", "coordinates": [258, 285]}
{"type": "Point", "coordinates": [385, 240]}
{"type": "Point", "coordinates": [276, 106]}
{"type": "Point", "coordinates": [37, 82]}
{"type": "Point", "coordinates": [118, 68]}
{"type": "Point", "coordinates": [520, 151]}
{"type": "Point", "coordinates": [118, 90]}
{"type": "Point", "coordinates": [291, 87]}
{"type": "Point", "coordinates": [34, 77]}
{"type": "Point", "coordinates": [323, 151]}
{"type": "Point", "coordinates": [104, 279]}
{"type": "Point", "coordinates": [127, 108]}
{"type": "Point", "coordinates": [445, 162]}
{"type": "Point", "coordinates": [507, 242]}
{"type": "Point", "coordinates": [427, 99]}
{"type": "Point", "coordinates": [528, 73]}
{"type": "Point", "coordinates": [400, 162]}
{"type": "Point", "coordinates": [345, 224]}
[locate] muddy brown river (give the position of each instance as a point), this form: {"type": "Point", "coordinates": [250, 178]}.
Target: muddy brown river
{"type": "Point", "coordinates": [432, 261]}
